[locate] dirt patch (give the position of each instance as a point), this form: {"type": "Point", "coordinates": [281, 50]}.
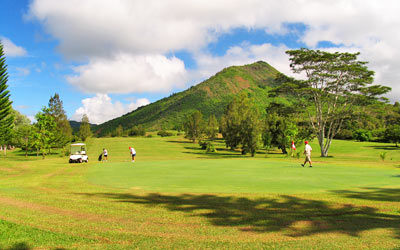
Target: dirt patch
{"type": "Point", "coordinates": [208, 91]}
{"type": "Point", "coordinates": [244, 84]}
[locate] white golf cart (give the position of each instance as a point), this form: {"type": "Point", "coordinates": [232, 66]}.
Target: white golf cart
{"type": "Point", "coordinates": [78, 153]}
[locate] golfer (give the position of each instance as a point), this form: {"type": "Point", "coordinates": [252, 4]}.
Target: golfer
{"type": "Point", "coordinates": [133, 153]}
{"type": "Point", "coordinates": [307, 152]}
{"type": "Point", "coordinates": [105, 154]}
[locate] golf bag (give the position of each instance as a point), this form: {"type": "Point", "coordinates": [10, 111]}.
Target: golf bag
{"type": "Point", "coordinates": [100, 157]}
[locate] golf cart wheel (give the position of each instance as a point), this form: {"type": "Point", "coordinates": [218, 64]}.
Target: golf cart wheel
{"type": "Point", "coordinates": [70, 161]}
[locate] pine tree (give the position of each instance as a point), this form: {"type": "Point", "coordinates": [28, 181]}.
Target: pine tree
{"type": "Point", "coordinates": [212, 127]}
{"type": "Point", "coordinates": [84, 129]}
{"type": "Point", "coordinates": [56, 110]}
{"type": "Point", "coordinates": [6, 118]}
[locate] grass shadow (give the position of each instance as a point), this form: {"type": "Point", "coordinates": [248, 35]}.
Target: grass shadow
{"type": "Point", "coordinates": [215, 155]}
{"type": "Point", "coordinates": [385, 147]}
{"type": "Point", "coordinates": [285, 214]}
{"type": "Point", "coordinates": [184, 142]}
{"type": "Point", "coordinates": [372, 194]}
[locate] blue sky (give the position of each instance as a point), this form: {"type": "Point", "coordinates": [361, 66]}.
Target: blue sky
{"type": "Point", "coordinates": [105, 58]}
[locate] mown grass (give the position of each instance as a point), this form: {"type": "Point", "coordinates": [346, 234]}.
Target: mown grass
{"type": "Point", "coordinates": [175, 196]}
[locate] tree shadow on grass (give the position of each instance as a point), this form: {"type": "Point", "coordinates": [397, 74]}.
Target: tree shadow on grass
{"type": "Point", "coordinates": [373, 194]}
{"type": "Point", "coordinates": [215, 155]}
{"type": "Point", "coordinates": [23, 246]}
{"type": "Point", "coordinates": [290, 215]}
{"type": "Point", "coordinates": [385, 147]}
{"type": "Point", "coordinates": [185, 142]}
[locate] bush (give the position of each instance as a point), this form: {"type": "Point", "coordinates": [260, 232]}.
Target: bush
{"type": "Point", "coordinates": [344, 134]}
{"type": "Point", "coordinates": [149, 135]}
{"type": "Point", "coordinates": [203, 144]}
{"type": "Point", "coordinates": [379, 133]}
{"type": "Point", "coordinates": [210, 148]}
{"type": "Point", "coordinates": [164, 133]}
{"type": "Point", "coordinates": [382, 156]}
{"type": "Point", "coordinates": [137, 131]}
{"type": "Point", "coordinates": [362, 135]}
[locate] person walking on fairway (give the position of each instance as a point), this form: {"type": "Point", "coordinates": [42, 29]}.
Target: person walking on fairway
{"type": "Point", "coordinates": [105, 154]}
{"type": "Point", "coordinates": [307, 152]}
{"type": "Point", "coordinates": [133, 153]}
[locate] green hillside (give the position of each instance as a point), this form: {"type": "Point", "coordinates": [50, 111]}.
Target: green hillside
{"type": "Point", "coordinates": [210, 97]}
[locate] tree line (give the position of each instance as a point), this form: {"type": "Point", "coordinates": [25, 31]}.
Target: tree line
{"type": "Point", "coordinates": [335, 97]}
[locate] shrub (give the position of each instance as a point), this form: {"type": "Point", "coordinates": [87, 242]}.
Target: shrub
{"type": "Point", "coordinates": [164, 133]}
{"type": "Point", "coordinates": [137, 131]}
{"type": "Point", "coordinates": [344, 134]}
{"type": "Point", "coordinates": [382, 156]}
{"type": "Point", "coordinates": [210, 148]}
{"type": "Point", "coordinates": [362, 135]}
{"type": "Point", "coordinates": [203, 144]}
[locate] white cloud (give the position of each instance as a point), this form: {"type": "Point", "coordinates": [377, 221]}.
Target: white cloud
{"type": "Point", "coordinates": [12, 50]}
{"type": "Point", "coordinates": [100, 108]}
{"type": "Point", "coordinates": [101, 31]}
{"type": "Point", "coordinates": [130, 74]}
{"type": "Point", "coordinates": [23, 71]}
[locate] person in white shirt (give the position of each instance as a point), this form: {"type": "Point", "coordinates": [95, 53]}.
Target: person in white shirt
{"type": "Point", "coordinates": [133, 153]}
{"type": "Point", "coordinates": [105, 154]}
{"type": "Point", "coordinates": [307, 152]}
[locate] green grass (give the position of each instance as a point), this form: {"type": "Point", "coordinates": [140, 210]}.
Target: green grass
{"type": "Point", "coordinates": [175, 196]}
{"type": "Point", "coordinates": [247, 176]}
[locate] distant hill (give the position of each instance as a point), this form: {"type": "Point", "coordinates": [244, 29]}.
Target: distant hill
{"type": "Point", "coordinates": [210, 97]}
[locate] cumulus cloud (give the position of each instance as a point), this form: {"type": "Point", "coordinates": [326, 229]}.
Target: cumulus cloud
{"type": "Point", "coordinates": [12, 50]}
{"type": "Point", "coordinates": [101, 31]}
{"type": "Point", "coordinates": [100, 108]}
{"type": "Point", "coordinates": [126, 73]}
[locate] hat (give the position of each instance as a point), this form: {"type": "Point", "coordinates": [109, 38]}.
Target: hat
{"type": "Point", "coordinates": [306, 142]}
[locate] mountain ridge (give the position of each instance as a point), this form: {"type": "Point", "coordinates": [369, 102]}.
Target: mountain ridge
{"type": "Point", "coordinates": [210, 97]}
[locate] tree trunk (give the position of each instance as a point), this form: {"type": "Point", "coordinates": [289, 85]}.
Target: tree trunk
{"type": "Point", "coordinates": [322, 146]}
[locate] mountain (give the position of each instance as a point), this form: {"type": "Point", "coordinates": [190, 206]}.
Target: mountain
{"type": "Point", "coordinates": [210, 97]}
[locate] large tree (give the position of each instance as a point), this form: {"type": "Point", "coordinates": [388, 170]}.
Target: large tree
{"type": "Point", "coordinates": [212, 127]}
{"type": "Point", "coordinates": [283, 124]}
{"type": "Point", "coordinates": [333, 83]}
{"type": "Point", "coordinates": [6, 117]}
{"type": "Point", "coordinates": [64, 129]}
{"type": "Point", "coordinates": [44, 132]}
{"type": "Point", "coordinates": [194, 126]}
{"type": "Point", "coordinates": [241, 124]}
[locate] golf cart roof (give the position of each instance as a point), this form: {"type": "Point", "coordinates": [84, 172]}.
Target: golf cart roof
{"type": "Point", "coordinates": [78, 144]}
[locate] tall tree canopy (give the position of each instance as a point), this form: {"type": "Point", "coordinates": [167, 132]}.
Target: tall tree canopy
{"type": "Point", "coordinates": [84, 130]}
{"type": "Point", "coordinates": [6, 118]}
{"type": "Point", "coordinates": [194, 126]}
{"type": "Point", "coordinates": [333, 83]}
{"type": "Point", "coordinates": [44, 132]}
{"type": "Point", "coordinates": [241, 124]}
{"type": "Point", "coordinates": [56, 110]}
